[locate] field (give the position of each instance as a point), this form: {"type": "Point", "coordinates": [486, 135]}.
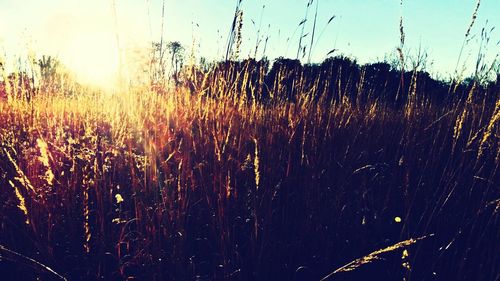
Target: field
{"type": "Point", "coordinates": [216, 183]}
{"type": "Point", "coordinates": [249, 169]}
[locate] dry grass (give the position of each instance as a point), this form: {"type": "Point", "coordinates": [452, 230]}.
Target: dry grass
{"type": "Point", "coordinates": [183, 185]}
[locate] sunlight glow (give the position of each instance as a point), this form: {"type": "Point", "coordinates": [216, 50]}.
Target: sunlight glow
{"type": "Point", "coordinates": [94, 58]}
{"type": "Point", "coordinates": [92, 39]}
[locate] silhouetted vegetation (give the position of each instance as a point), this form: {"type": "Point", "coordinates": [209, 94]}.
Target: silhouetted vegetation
{"type": "Point", "coordinates": [334, 78]}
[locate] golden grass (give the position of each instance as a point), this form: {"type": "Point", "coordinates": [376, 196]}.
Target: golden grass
{"type": "Point", "coordinates": [134, 164]}
{"type": "Point", "coordinates": [376, 255]}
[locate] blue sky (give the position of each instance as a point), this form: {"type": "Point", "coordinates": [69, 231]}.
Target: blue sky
{"type": "Point", "coordinates": [367, 30]}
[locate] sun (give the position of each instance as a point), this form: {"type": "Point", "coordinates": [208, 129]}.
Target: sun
{"type": "Point", "coordinates": [94, 57]}
{"type": "Point", "coordinates": [86, 40]}
{"type": "Point", "coordinates": [92, 40]}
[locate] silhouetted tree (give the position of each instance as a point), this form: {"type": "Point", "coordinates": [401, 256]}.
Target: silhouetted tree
{"type": "Point", "coordinates": [176, 51]}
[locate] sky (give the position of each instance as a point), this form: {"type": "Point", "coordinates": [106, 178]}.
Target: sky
{"type": "Point", "coordinates": [86, 35]}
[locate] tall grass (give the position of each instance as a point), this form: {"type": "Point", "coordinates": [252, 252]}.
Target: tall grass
{"type": "Point", "coordinates": [237, 173]}
{"type": "Point", "coordinates": [189, 186]}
